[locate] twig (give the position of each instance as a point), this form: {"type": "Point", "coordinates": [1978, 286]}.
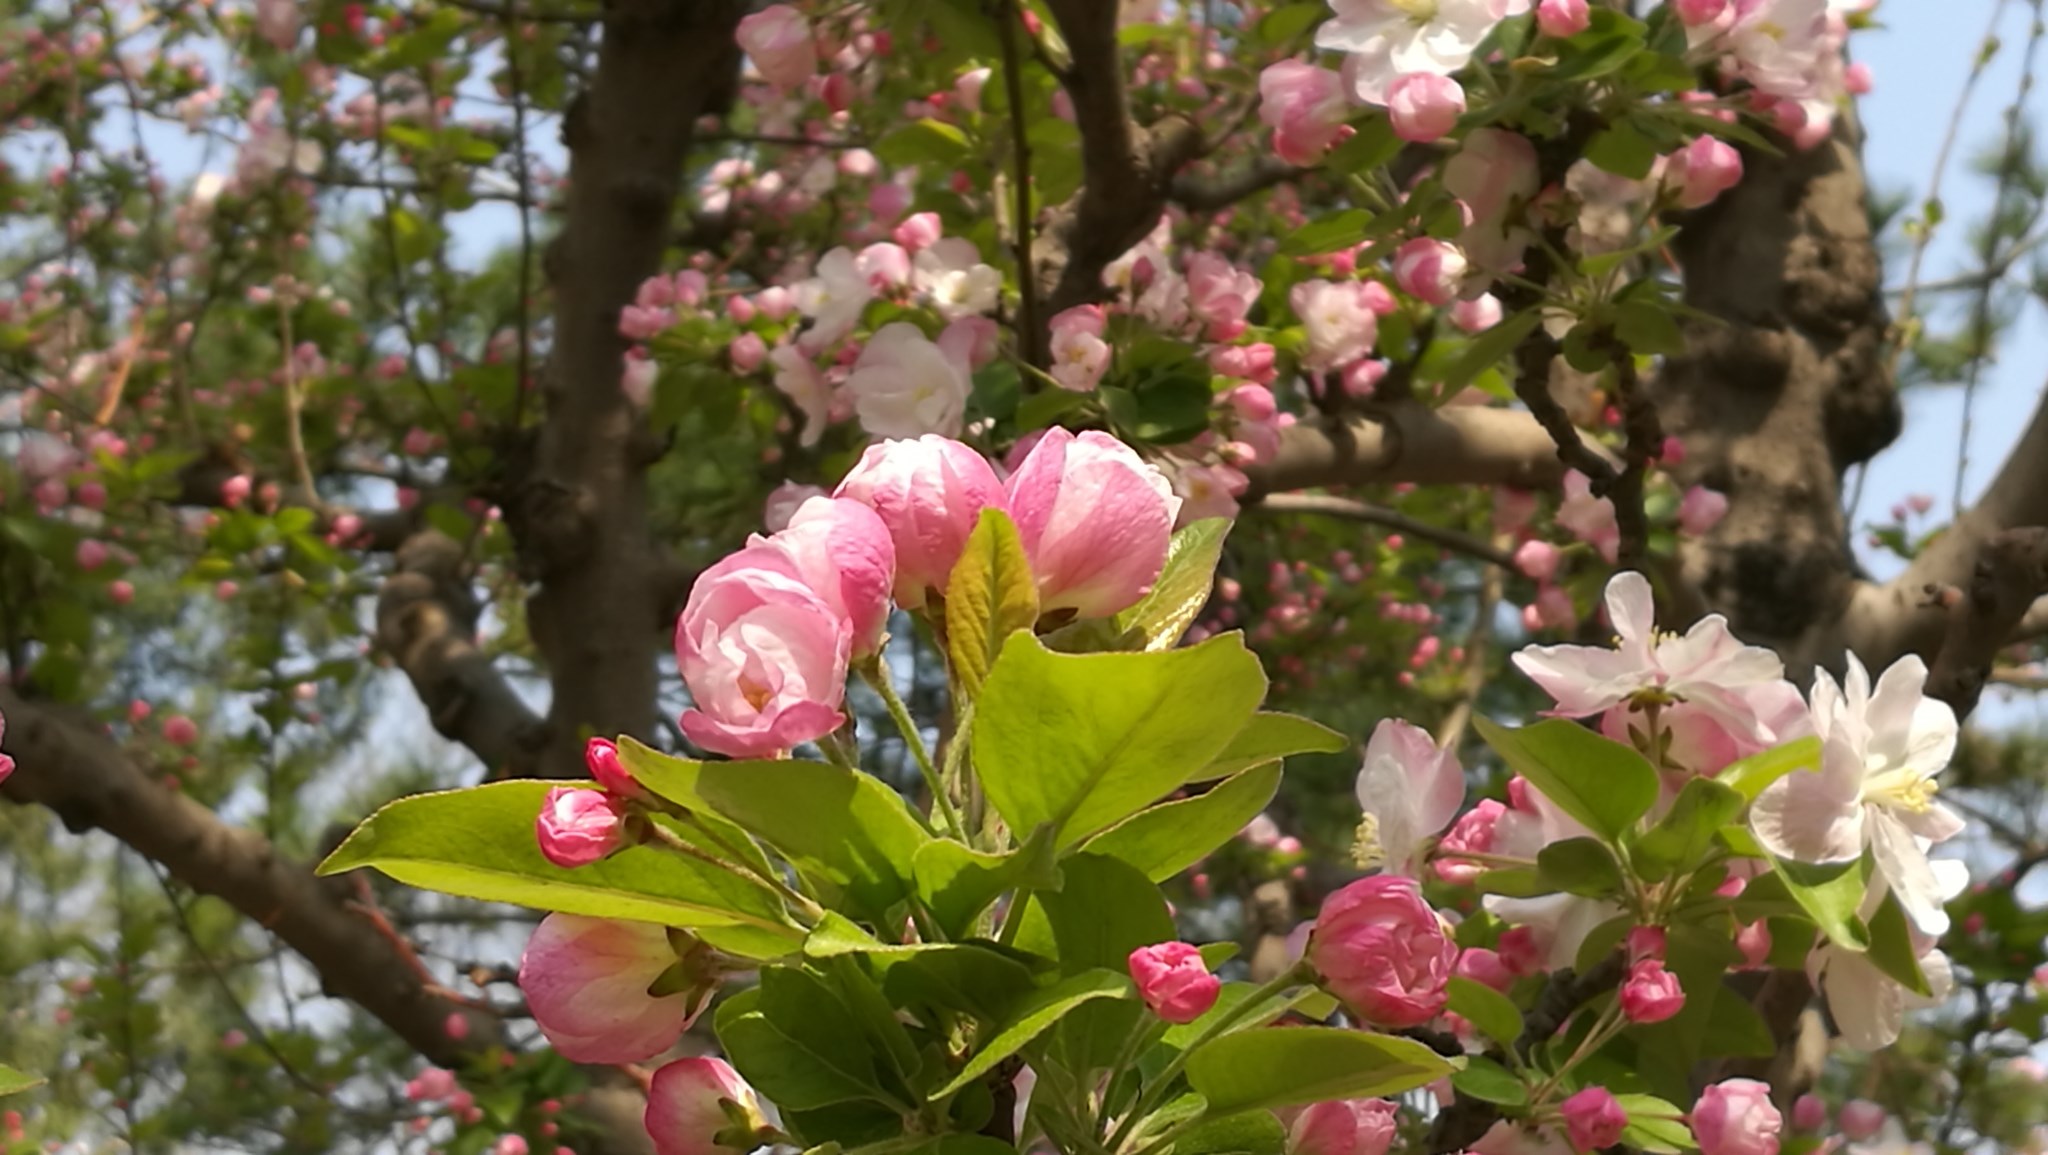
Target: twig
{"type": "Point", "coordinates": [517, 75]}
{"type": "Point", "coordinates": [1348, 509]}
{"type": "Point", "coordinates": [1030, 339]}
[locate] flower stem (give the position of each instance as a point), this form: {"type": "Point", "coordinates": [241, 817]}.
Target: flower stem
{"type": "Point", "coordinates": [872, 673]}
{"type": "Point", "coordinates": [802, 902]}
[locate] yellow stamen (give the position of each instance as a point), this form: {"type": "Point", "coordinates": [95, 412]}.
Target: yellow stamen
{"type": "Point", "coordinates": [1366, 849]}
{"type": "Point", "coordinates": [1903, 790]}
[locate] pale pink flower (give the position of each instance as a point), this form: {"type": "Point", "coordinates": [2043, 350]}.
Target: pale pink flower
{"type": "Point", "coordinates": [690, 1104]}
{"type": "Point", "coordinates": [1651, 994]}
{"type": "Point", "coordinates": [1079, 354]}
{"type": "Point", "coordinates": [778, 40]}
{"type": "Point", "coordinates": [1208, 491]}
{"type": "Point", "coordinates": [1860, 1119]}
{"type": "Point", "coordinates": [1590, 518]}
{"type": "Point", "coordinates": [1563, 19]}
{"type": "Point", "coordinates": [577, 827]}
{"type": "Point", "coordinates": [919, 231]}
{"type": "Point", "coordinates": [1477, 314]}
{"type": "Point", "coordinates": [1701, 510]}
{"type": "Point", "coordinates": [1095, 519]}
{"type": "Point", "coordinates": [1338, 320]}
{"type": "Point", "coordinates": [1702, 171]}
{"type": "Point", "coordinates": [1305, 107]}
{"type": "Point", "coordinates": [842, 550]}
{"type": "Point", "coordinates": [1174, 981]}
{"type": "Point", "coordinates": [1429, 270]}
{"type": "Point", "coordinates": [954, 280]}
{"type": "Point", "coordinates": [586, 982]}
{"type": "Point", "coordinates": [747, 352]}
{"type": "Point", "coordinates": [763, 655]}
{"type": "Point", "coordinates": [1424, 107]}
{"type": "Point", "coordinates": [833, 298]}
{"type": "Point", "coordinates": [904, 385]}
{"type": "Point", "coordinates": [1736, 1117]}
{"type": "Point", "coordinates": [1866, 1003]}
{"type": "Point", "coordinates": [797, 378]}
{"type": "Point", "coordinates": [1495, 173]}
{"type": "Point", "coordinates": [968, 85]}
{"type": "Point", "coordinates": [1220, 294]}
{"type": "Point", "coordinates": [1409, 790]}
{"type": "Point", "coordinates": [1880, 752]}
{"type": "Point", "coordinates": [929, 492]}
{"type": "Point", "coordinates": [1382, 950]}
{"type": "Point", "coordinates": [1538, 559]}
{"type": "Point", "coordinates": [1473, 832]}
{"type": "Point", "coordinates": [1389, 37]}
{"type": "Point", "coordinates": [885, 264]}
{"type": "Point", "coordinates": [1344, 1127]}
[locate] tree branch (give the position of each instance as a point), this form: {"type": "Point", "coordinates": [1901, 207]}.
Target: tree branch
{"type": "Point", "coordinates": [1206, 194]}
{"type": "Point", "coordinates": [1351, 510]}
{"type": "Point", "coordinates": [1407, 441]}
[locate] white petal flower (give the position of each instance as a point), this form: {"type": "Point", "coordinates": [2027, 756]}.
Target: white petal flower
{"type": "Point", "coordinates": [1409, 790]}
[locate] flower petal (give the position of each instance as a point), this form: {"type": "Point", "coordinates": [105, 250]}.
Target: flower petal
{"type": "Point", "coordinates": [1904, 865]}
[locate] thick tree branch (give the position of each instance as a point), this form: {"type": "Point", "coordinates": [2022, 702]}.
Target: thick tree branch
{"type": "Point", "coordinates": [1206, 194]}
{"type": "Point", "coordinates": [1407, 441]}
{"type": "Point", "coordinates": [1350, 510]}
{"type": "Point", "coordinates": [426, 620]}
{"type": "Point", "coordinates": [66, 763]}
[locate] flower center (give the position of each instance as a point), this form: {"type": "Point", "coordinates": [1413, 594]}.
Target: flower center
{"type": "Point", "coordinates": [1902, 790]}
{"type": "Point", "coordinates": [1417, 11]}
{"type": "Point", "coordinates": [1366, 849]}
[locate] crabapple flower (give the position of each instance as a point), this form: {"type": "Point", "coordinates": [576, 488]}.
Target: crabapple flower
{"type": "Point", "coordinates": [601, 758]}
{"type": "Point", "coordinates": [1592, 1118]}
{"type": "Point", "coordinates": [1305, 107]}
{"type": "Point", "coordinates": [1860, 1119]}
{"type": "Point", "coordinates": [1424, 107]}
{"type": "Point", "coordinates": [842, 550]}
{"type": "Point", "coordinates": [1736, 1117]}
{"type": "Point", "coordinates": [1344, 1127]}
{"type": "Point", "coordinates": [905, 385]}
{"type": "Point", "coordinates": [954, 279]}
{"type": "Point", "coordinates": [833, 298]}
{"type": "Point", "coordinates": [764, 657]}
{"type": "Point", "coordinates": [1079, 354]}
{"type": "Point", "coordinates": [885, 264]}
{"type": "Point", "coordinates": [929, 493]}
{"type": "Point", "coordinates": [1707, 667]}
{"type": "Point", "coordinates": [1387, 38]}
{"type": "Point", "coordinates": [1703, 170]}
{"type": "Point", "coordinates": [702, 1107]}
{"type": "Point", "coordinates": [277, 21]}
{"type": "Point", "coordinates": [778, 40]}
{"type": "Point", "coordinates": [1562, 19]}
{"type": "Point", "coordinates": [1429, 270]}
{"type": "Point", "coordinates": [1495, 173]}
{"type": "Point", "coordinates": [1174, 981]}
{"type": "Point", "coordinates": [577, 827]}
{"type": "Point", "coordinates": [1338, 320]}
{"type": "Point", "coordinates": [1869, 1005]}
{"type": "Point", "coordinates": [1208, 491]}
{"type": "Point", "coordinates": [797, 378]}
{"type": "Point", "coordinates": [1589, 517]}
{"type": "Point", "coordinates": [1410, 790]}
{"type": "Point", "coordinates": [6, 763]}
{"type": "Point", "coordinates": [586, 982]}
{"type": "Point", "coordinates": [1095, 520]}
{"type": "Point", "coordinates": [1701, 510]}
{"type": "Point", "coordinates": [1651, 994]}
{"type": "Point", "coordinates": [1220, 294]}
{"type": "Point", "coordinates": [1383, 951]}
{"type": "Point", "coordinates": [1874, 787]}
{"type": "Point", "coordinates": [1474, 833]}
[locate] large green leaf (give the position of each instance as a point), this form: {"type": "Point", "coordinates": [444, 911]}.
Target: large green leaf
{"type": "Point", "coordinates": [1270, 736]}
{"type": "Point", "coordinates": [479, 843]}
{"type": "Point", "coordinates": [841, 828]}
{"type": "Point", "coordinates": [1748, 776]}
{"type": "Point", "coordinates": [1164, 614]}
{"type": "Point", "coordinates": [1034, 1017]}
{"type": "Point", "coordinates": [1104, 910]}
{"type": "Point", "coordinates": [972, 978]}
{"type": "Point", "coordinates": [13, 1082]}
{"type": "Point", "coordinates": [1582, 866]}
{"type": "Point", "coordinates": [1291, 1066]}
{"type": "Point", "coordinates": [989, 596]}
{"type": "Point", "coordinates": [786, 1070]}
{"type": "Point", "coordinates": [1686, 832]}
{"type": "Point", "coordinates": [1891, 947]}
{"type": "Point", "coordinates": [1655, 1125]}
{"type": "Point", "coordinates": [956, 882]}
{"type": "Point", "coordinates": [1082, 741]}
{"type": "Point", "coordinates": [1492, 1013]}
{"type": "Point", "coordinates": [1830, 895]}
{"type": "Point", "coordinates": [1488, 1081]}
{"type": "Point", "coordinates": [1603, 784]}
{"type": "Point", "coordinates": [1166, 839]}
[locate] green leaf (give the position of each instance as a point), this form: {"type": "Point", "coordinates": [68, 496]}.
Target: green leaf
{"type": "Point", "coordinates": [1245, 1133]}
{"type": "Point", "coordinates": [1166, 839]}
{"type": "Point", "coordinates": [845, 831]}
{"type": "Point", "coordinates": [1292, 1066]}
{"type": "Point", "coordinates": [1106, 910]}
{"type": "Point", "coordinates": [1036, 1016]}
{"type": "Point", "coordinates": [1686, 832]}
{"type": "Point", "coordinates": [1748, 776]}
{"type": "Point", "coordinates": [1736, 1031]}
{"type": "Point", "coordinates": [1491, 1012]}
{"type": "Point", "coordinates": [990, 595]}
{"type": "Point", "coordinates": [1269, 737]}
{"type": "Point", "coordinates": [1655, 1125]}
{"type": "Point", "coordinates": [1603, 784]}
{"type": "Point", "coordinates": [1327, 235]}
{"type": "Point", "coordinates": [1488, 349]}
{"type": "Point", "coordinates": [1083, 741]}
{"type": "Point", "coordinates": [924, 142]}
{"type": "Point", "coordinates": [1623, 150]}
{"type": "Point", "coordinates": [1487, 1080]}
{"type": "Point", "coordinates": [1165, 614]}
{"type": "Point", "coordinates": [1606, 46]}
{"type": "Point", "coordinates": [812, 1016]}
{"type": "Point", "coordinates": [1371, 146]}
{"type": "Point", "coordinates": [957, 883]}
{"type": "Point", "coordinates": [1891, 947]}
{"type": "Point", "coordinates": [785, 1070]}
{"type": "Point", "coordinates": [13, 1082]}
{"type": "Point", "coordinates": [1649, 330]}
{"type": "Point", "coordinates": [1829, 895]}
{"type": "Point", "coordinates": [1581, 866]}
{"type": "Point", "coordinates": [1516, 882]}
{"type": "Point", "coordinates": [479, 843]}
{"type": "Point", "coordinates": [975, 979]}
{"type": "Point", "coordinates": [1284, 24]}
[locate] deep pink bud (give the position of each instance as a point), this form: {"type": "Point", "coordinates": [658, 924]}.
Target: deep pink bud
{"type": "Point", "coordinates": [693, 1103]}
{"type": "Point", "coordinates": [180, 730]}
{"type": "Point", "coordinates": [1860, 1119]}
{"type": "Point", "coordinates": [1651, 994]}
{"type": "Point", "coordinates": [577, 826]}
{"type": "Point", "coordinates": [919, 231]}
{"type": "Point", "coordinates": [1809, 1113]}
{"type": "Point", "coordinates": [929, 494]}
{"type": "Point", "coordinates": [1174, 981]}
{"type": "Point", "coordinates": [1382, 950]}
{"type": "Point", "coordinates": [1538, 559]}
{"type": "Point", "coordinates": [1485, 966]}
{"type": "Point", "coordinates": [1645, 942]}
{"type": "Point", "coordinates": [1695, 13]}
{"type": "Point", "coordinates": [1344, 1127]}
{"type": "Point", "coordinates": [586, 982]}
{"type": "Point", "coordinates": [1429, 270]}
{"type": "Point", "coordinates": [1592, 1118]}
{"type": "Point", "coordinates": [1424, 106]}
{"type": "Point", "coordinates": [747, 351]}
{"type": "Point", "coordinates": [1703, 170]}
{"type": "Point", "coordinates": [1562, 19]}
{"type": "Point", "coordinates": [601, 756]}
{"type": "Point", "coordinates": [1095, 519]}
{"type": "Point", "coordinates": [1736, 1117]}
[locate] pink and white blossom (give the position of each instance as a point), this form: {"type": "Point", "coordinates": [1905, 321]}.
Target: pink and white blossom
{"type": "Point", "coordinates": [1095, 519]}
{"type": "Point", "coordinates": [1338, 319]}
{"type": "Point", "coordinates": [929, 492]}
{"type": "Point", "coordinates": [1387, 38]}
{"type": "Point", "coordinates": [778, 40]}
{"type": "Point", "coordinates": [1306, 108]}
{"type": "Point", "coordinates": [586, 982]}
{"type": "Point", "coordinates": [763, 655]}
{"type": "Point", "coordinates": [701, 1106]}
{"type": "Point", "coordinates": [1409, 790]}
{"type": "Point", "coordinates": [1424, 107]}
{"type": "Point", "coordinates": [953, 279]}
{"type": "Point", "coordinates": [1079, 354]}
{"type": "Point", "coordinates": [905, 385]}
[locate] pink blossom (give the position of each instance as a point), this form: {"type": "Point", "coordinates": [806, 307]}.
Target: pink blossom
{"type": "Point", "coordinates": [1251, 403]}
{"type": "Point", "coordinates": [122, 592]}
{"type": "Point", "coordinates": [180, 730]}
{"type": "Point", "coordinates": [577, 827]}
{"type": "Point", "coordinates": [919, 231]}
{"type": "Point", "coordinates": [1247, 362]}
{"type": "Point", "coordinates": [1651, 994]}
{"type": "Point", "coordinates": [1736, 1117]}
{"type": "Point", "coordinates": [1860, 1120]}
{"type": "Point", "coordinates": [885, 265]}
{"type": "Point", "coordinates": [1809, 1112]}
{"type": "Point", "coordinates": [1592, 1117]}
{"type": "Point", "coordinates": [586, 982]}
{"type": "Point", "coordinates": [1389, 38]}
{"type": "Point", "coordinates": [784, 501]}
{"type": "Point", "coordinates": [889, 200]}
{"type": "Point", "coordinates": [1409, 790]}
{"type": "Point", "coordinates": [904, 385]}
{"type": "Point", "coordinates": [778, 40]}
{"type": "Point", "coordinates": [637, 379]}
{"type": "Point", "coordinates": [1472, 833]}
{"type": "Point", "coordinates": [1698, 13]}
{"type": "Point", "coordinates": [1485, 966]}
{"type": "Point", "coordinates": [979, 336]}
{"type": "Point", "coordinates": [1079, 354]}
{"type": "Point", "coordinates": [1344, 1127]}
{"type": "Point", "coordinates": [1208, 491]}
{"type": "Point", "coordinates": [1381, 949]}
{"type": "Point", "coordinates": [797, 378]}
{"type": "Point", "coordinates": [1703, 170]}
{"type": "Point", "coordinates": [833, 297]}
{"type": "Point", "coordinates": [1754, 941]}
{"type": "Point", "coordinates": [1424, 107]}
{"type": "Point", "coordinates": [1701, 510]}
{"type": "Point", "coordinates": [1220, 294]}
{"type": "Point", "coordinates": [1174, 981]}
{"type": "Point", "coordinates": [431, 1085]}
{"type": "Point", "coordinates": [1094, 518]}
{"type": "Point", "coordinates": [91, 554]}
{"type": "Point", "coordinates": [1429, 270]}
{"type": "Point", "coordinates": [954, 280]}
{"type": "Point", "coordinates": [1495, 174]}
{"type": "Point", "coordinates": [764, 657]}
{"type": "Point", "coordinates": [968, 85]}
{"type": "Point", "coordinates": [690, 1109]}
{"type": "Point", "coordinates": [1563, 19]}
{"type": "Point", "coordinates": [1306, 108]}
{"type": "Point", "coordinates": [277, 22]}
{"type": "Point", "coordinates": [1337, 320]}
{"type": "Point", "coordinates": [601, 758]}
{"type": "Point", "coordinates": [746, 352]}
{"type": "Point", "coordinates": [1589, 518]}
{"type": "Point", "coordinates": [842, 551]}
{"type": "Point", "coordinates": [1478, 314]}
{"type": "Point", "coordinates": [929, 493]}
{"type": "Point", "coordinates": [1538, 559]}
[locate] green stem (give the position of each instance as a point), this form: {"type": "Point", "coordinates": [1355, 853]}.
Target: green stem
{"type": "Point", "coordinates": [1611, 1024]}
{"type": "Point", "coordinates": [796, 898]}
{"type": "Point", "coordinates": [872, 673]}
{"type": "Point", "coordinates": [1149, 1101]}
{"type": "Point", "coordinates": [1134, 1045]}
